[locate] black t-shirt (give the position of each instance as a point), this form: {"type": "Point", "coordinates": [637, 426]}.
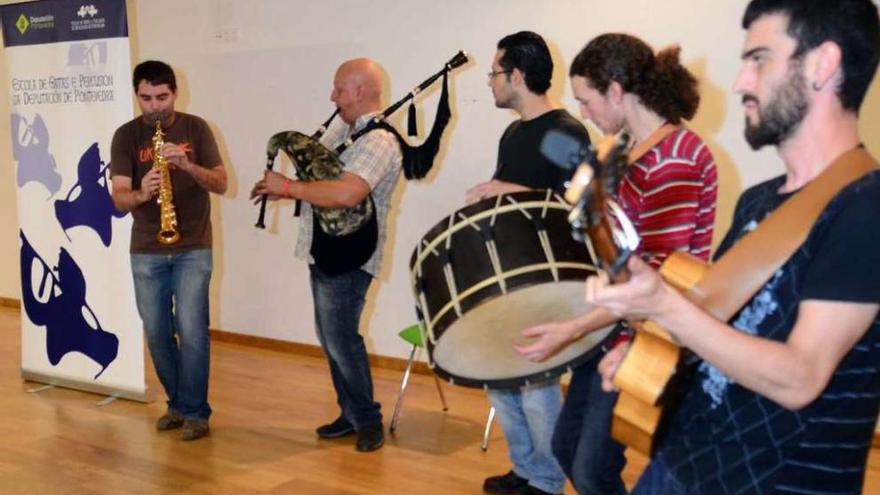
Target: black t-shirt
{"type": "Point", "coordinates": [519, 153]}
{"type": "Point", "coordinates": [728, 439]}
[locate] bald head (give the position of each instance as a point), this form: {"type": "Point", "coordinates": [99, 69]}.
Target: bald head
{"type": "Point", "coordinates": [365, 73]}
{"type": "Point", "coordinates": [357, 88]}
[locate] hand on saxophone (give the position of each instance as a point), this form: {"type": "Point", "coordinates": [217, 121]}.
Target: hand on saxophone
{"type": "Point", "coordinates": [273, 184]}
{"type": "Point", "coordinates": [150, 184]}
{"type": "Point", "coordinates": [176, 156]}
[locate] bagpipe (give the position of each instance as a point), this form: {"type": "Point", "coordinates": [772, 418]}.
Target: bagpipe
{"type": "Point", "coordinates": [313, 161]}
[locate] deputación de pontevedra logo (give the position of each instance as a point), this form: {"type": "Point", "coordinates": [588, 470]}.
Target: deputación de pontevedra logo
{"type": "Point", "coordinates": [87, 19]}
{"type": "Point", "coordinates": [35, 22]}
{"type": "Point", "coordinates": [22, 24]}
{"type": "Point", "coordinates": [87, 10]}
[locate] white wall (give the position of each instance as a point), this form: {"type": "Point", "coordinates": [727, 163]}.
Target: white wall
{"type": "Point", "coordinates": [277, 75]}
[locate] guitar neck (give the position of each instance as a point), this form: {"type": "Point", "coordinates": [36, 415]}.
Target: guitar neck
{"type": "Point", "coordinates": [610, 256]}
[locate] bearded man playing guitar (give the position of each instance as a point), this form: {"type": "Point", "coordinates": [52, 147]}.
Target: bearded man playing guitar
{"type": "Point", "coordinates": [786, 398]}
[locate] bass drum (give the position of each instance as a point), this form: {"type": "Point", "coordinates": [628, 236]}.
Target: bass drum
{"type": "Point", "coordinates": [489, 270]}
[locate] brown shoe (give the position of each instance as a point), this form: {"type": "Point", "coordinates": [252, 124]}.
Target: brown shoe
{"type": "Point", "coordinates": [169, 421]}
{"type": "Point", "coordinates": [194, 429]}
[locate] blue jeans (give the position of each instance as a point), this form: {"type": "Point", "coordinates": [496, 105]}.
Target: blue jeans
{"type": "Point", "coordinates": [172, 298]}
{"type": "Point", "coordinates": [527, 416]}
{"type": "Point", "coordinates": [339, 301]}
{"type": "Point", "coordinates": [657, 479]}
{"type": "Point", "coordinates": [582, 441]}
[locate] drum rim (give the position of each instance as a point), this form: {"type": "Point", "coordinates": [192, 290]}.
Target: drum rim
{"type": "Point", "coordinates": [531, 378]}
{"type": "Point", "coordinates": [421, 252]}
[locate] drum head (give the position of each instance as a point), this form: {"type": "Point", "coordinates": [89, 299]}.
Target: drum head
{"type": "Point", "coordinates": [477, 350]}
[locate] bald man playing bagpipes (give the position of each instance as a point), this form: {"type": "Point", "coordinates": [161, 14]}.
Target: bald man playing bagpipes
{"type": "Point", "coordinates": [347, 172]}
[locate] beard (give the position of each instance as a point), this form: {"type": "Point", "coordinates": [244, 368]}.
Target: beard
{"type": "Point", "coordinates": [152, 117]}
{"type": "Point", "coordinates": [783, 114]}
{"type": "Point", "coordinates": [503, 102]}
{"type": "Point", "coordinates": [505, 98]}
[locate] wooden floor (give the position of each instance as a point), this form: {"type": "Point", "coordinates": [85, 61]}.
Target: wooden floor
{"type": "Point", "coordinates": [266, 405]}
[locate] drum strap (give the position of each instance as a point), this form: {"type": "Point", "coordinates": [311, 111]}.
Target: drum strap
{"type": "Point", "coordinates": [752, 261]}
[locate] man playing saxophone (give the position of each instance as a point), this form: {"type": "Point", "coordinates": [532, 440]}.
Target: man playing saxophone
{"type": "Point", "coordinates": [171, 279]}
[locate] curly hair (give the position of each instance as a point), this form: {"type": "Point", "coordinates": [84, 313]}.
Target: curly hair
{"type": "Point", "coordinates": [664, 85]}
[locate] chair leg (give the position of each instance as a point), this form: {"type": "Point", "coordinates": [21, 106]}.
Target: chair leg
{"type": "Point", "coordinates": [484, 446]}
{"type": "Point", "coordinates": [403, 383]}
{"type": "Point", "coordinates": [440, 391]}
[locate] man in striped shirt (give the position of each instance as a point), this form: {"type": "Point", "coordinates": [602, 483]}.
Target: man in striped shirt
{"type": "Point", "coordinates": [669, 195]}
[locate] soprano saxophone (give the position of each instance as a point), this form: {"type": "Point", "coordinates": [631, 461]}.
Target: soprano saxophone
{"type": "Point", "coordinates": [168, 233]}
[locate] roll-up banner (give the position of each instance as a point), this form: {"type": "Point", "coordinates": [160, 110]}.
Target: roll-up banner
{"type": "Point", "coordinates": [68, 68]}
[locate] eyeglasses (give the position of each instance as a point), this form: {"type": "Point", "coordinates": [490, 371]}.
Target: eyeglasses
{"type": "Point", "coordinates": [494, 73]}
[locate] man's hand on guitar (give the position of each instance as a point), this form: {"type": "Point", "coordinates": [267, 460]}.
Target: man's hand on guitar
{"type": "Point", "coordinates": [550, 338]}
{"type": "Point", "coordinates": [643, 296]}
{"type": "Point", "coordinates": [609, 364]}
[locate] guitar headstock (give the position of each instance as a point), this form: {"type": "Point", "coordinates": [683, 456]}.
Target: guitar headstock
{"type": "Point", "coordinates": [594, 213]}
{"type": "Point", "coordinates": [596, 179]}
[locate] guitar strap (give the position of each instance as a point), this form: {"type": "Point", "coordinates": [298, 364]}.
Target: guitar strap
{"type": "Point", "coordinates": [748, 265]}
{"type": "Point", "coordinates": [652, 140]}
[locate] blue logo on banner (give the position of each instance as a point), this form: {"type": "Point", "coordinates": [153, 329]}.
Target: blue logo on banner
{"type": "Point", "coordinates": [87, 54]}
{"type": "Point", "coordinates": [59, 304]}
{"type": "Point", "coordinates": [88, 202]}
{"type": "Point", "coordinates": [30, 148]}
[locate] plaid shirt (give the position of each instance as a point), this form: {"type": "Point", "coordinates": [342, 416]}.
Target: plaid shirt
{"type": "Point", "coordinates": [375, 158]}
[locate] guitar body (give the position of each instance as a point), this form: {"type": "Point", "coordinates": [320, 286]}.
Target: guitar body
{"type": "Point", "coordinates": [650, 364]}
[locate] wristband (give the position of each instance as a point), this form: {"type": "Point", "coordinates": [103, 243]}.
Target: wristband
{"type": "Point", "coordinates": [621, 338]}
{"type": "Point", "coordinates": [285, 191]}
{"type": "Point", "coordinates": [625, 335]}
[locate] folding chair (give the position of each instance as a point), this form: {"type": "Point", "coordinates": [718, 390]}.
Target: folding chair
{"type": "Point", "coordinates": [413, 335]}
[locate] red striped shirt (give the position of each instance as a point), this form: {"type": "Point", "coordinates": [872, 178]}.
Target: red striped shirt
{"type": "Point", "coordinates": [669, 194]}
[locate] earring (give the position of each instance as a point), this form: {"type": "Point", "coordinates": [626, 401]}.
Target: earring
{"type": "Point", "coordinates": [816, 86]}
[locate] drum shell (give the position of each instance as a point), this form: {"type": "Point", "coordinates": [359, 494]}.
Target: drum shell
{"type": "Point", "coordinates": [454, 272]}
